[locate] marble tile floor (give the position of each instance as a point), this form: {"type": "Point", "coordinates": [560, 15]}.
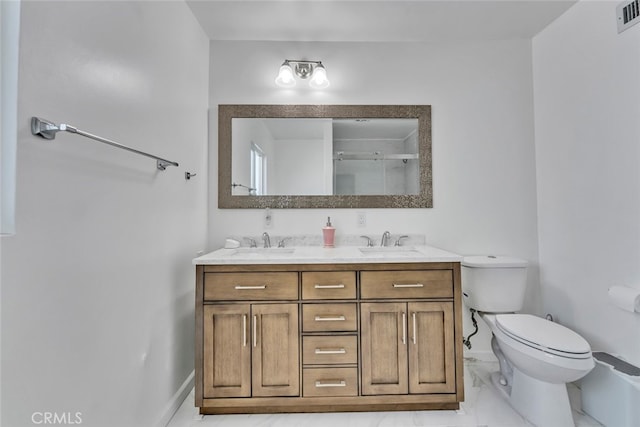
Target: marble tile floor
{"type": "Point", "coordinates": [483, 407]}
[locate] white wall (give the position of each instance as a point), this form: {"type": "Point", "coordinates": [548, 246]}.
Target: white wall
{"type": "Point", "coordinates": [587, 110]}
{"type": "Point", "coordinates": [97, 284]}
{"type": "Point", "coordinates": [483, 153]}
{"type": "Point", "coordinates": [299, 157]}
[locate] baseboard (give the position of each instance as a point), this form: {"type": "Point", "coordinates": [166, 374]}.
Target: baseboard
{"type": "Point", "coordinates": [176, 400]}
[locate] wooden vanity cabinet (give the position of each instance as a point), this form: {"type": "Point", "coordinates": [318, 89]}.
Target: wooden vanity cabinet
{"type": "Point", "coordinates": [407, 348]}
{"type": "Point", "coordinates": [250, 349]}
{"type": "Point", "coordinates": [324, 338]}
{"type": "Point", "coordinates": [226, 353]}
{"type": "Point", "coordinates": [329, 334]}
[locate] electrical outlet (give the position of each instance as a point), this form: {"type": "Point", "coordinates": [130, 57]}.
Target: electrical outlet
{"type": "Point", "coordinates": [268, 218]}
{"type": "Point", "coordinates": [362, 219]}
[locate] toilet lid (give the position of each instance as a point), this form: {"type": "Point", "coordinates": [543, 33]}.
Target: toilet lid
{"type": "Point", "coordinates": [492, 261]}
{"type": "Point", "coordinates": [544, 335]}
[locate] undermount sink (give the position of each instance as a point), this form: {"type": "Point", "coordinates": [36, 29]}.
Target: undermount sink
{"type": "Point", "coordinates": [390, 250]}
{"type": "Point", "coordinates": [262, 251]}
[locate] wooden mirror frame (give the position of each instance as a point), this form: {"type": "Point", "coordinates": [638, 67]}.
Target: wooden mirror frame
{"type": "Point", "coordinates": [228, 112]}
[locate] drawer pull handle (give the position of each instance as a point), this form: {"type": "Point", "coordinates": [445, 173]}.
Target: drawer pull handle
{"type": "Point", "coordinates": [336, 351]}
{"type": "Point", "coordinates": [330, 319]}
{"type": "Point", "coordinates": [408, 285]}
{"type": "Point", "coordinates": [338, 383]}
{"type": "Point", "coordinates": [242, 287]}
{"type": "Point", "coordinates": [340, 286]}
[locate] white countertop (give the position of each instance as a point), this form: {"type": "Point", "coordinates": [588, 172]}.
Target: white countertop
{"type": "Point", "coordinates": [321, 255]}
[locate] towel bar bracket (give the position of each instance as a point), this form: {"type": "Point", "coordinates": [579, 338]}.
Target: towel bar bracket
{"type": "Point", "coordinates": [43, 128]}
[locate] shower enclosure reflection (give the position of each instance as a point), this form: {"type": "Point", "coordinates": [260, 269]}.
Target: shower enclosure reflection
{"type": "Point", "coordinates": [318, 156]}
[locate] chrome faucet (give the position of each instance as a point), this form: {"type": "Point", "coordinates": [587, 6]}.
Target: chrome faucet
{"type": "Point", "coordinates": [266, 240]}
{"type": "Point", "coordinates": [385, 238]}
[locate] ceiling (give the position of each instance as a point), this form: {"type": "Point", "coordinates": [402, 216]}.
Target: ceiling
{"type": "Point", "coordinates": [375, 21]}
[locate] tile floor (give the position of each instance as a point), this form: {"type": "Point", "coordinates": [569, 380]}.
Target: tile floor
{"type": "Point", "coordinates": [483, 407]}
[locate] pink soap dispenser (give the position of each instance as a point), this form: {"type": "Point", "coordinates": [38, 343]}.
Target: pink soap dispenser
{"type": "Point", "coordinates": [328, 233]}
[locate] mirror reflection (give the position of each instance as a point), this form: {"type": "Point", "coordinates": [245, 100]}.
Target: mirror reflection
{"type": "Point", "coordinates": [324, 156]}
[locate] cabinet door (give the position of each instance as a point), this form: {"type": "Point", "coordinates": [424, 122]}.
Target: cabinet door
{"type": "Point", "coordinates": [431, 347]}
{"type": "Point", "coordinates": [275, 357]}
{"type": "Point", "coordinates": [227, 353]}
{"type": "Point", "coordinates": [384, 348]}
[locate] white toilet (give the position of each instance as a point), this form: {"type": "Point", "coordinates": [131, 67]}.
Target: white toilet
{"type": "Point", "coordinates": [537, 357]}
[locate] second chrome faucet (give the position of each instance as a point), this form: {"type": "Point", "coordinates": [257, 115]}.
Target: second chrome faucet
{"type": "Point", "coordinates": [266, 240]}
{"type": "Point", "coordinates": [386, 236]}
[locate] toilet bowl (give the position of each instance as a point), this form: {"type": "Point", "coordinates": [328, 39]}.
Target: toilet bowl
{"type": "Point", "coordinates": [537, 357]}
{"type": "Point", "coordinates": [540, 348]}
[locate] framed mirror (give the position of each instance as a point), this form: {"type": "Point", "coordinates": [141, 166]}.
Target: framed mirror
{"type": "Point", "coordinates": [324, 156]}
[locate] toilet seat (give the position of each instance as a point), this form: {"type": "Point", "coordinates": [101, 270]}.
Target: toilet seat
{"type": "Point", "coordinates": [543, 335]}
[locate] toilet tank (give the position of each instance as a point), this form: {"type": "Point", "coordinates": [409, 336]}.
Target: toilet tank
{"type": "Point", "coordinates": [494, 284]}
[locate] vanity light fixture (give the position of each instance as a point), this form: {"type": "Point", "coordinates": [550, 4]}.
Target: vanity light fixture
{"type": "Point", "coordinates": [312, 70]}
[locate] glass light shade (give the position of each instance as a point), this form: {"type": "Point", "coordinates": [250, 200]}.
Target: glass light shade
{"type": "Point", "coordinates": [285, 76]}
{"type": "Point", "coordinates": [319, 78]}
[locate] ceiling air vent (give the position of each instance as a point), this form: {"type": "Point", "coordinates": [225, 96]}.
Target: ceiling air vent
{"type": "Point", "coordinates": [628, 14]}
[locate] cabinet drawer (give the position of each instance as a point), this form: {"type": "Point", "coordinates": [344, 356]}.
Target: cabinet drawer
{"type": "Point", "coordinates": [250, 286]}
{"type": "Point", "coordinates": [329, 317]}
{"type": "Point", "coordinates": [329, 350]}
{"type": "Point", "coordinates": [329, 285]}
{"type": "Point", "coordinates": [406, 284]}
{"type": "Point", "coordinates": [329, 382]}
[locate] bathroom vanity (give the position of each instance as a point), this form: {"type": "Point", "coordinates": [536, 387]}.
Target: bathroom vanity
{"type": "Point", "coordinates": [309, 329]}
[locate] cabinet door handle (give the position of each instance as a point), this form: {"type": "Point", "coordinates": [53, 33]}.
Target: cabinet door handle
{"type": "Point", "coordinates": [333, 383]}
{"type": "Point", "coordinates": [339, 286]}
{"type": "Point", "coordinates": [408, 285]}
{"type": "Point", "coordinates": [331, 351]}
{"type": "Point", "coordinates": [244, 330]}
{"type": "Point", "coordinates": [340, 318]}
{"type": "Point", "coordinates": [404, 328]}
{"type": "Point", "coordinates": [244, 287]}
{"type": "Point", "coordinates": [255, 331]}
{"type": "Point", "coordinates": [414, 328]}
